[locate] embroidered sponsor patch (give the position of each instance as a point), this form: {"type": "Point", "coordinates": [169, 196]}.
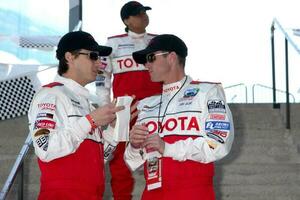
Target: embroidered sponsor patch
{"type": "Point", "coordinates": [44, 124]}
{"type": "Point", "coordinates": [171, 89]}
{"type": "Point", "coordinates": [217, 125]}
{"type": "Point", "coordinates": [100, 78]}
{"type": "Point", "coordinates": [171, 125]}
{"type": "Point", "coordinates": [100, 84]}
{"type": "Point", "coordinates": [42, 131]}
{"type": "Point", "coordinates": [216, 106]}
{"type": "Point", "coordinates": [42, 142]}
{"type": "Point", "coordinates": [217, 116]}
{"type": "Point", "coordinates": [125, 64]}
{"type": "Point", "coordinates": [44, 115]}
{"type": "Point", "coordinates": [222, 134]}
{"type": "Point", "coordinates": [191, 92]}
{"type": "Point", "coordinates": [47, 106]}
{"type": "Point", "coordinates": [215, 137]}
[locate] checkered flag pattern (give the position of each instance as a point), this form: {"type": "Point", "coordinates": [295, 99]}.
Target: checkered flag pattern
{"type": "Point", "coordinates": [39, 42]}
{"type": "Point", "coordinates": [15, 97]}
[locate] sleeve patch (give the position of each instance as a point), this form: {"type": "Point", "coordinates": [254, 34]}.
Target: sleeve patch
{"type": "Point", "coordinates": [42, 142]}
{"type": "Point", "coordinates": [45, 115]}
{"type": "Point", "coordinates": [46, 106]}
{"type": "Point", "coordinates": [216, 106]}
{"type": "Point", "coordinates": [217, 125]}
{"type": "Point", "coordinates": [217, 116]}
{"type": "Point", "coordinates": [217, 135]}
{"type": "Point", "coordinates": [44, 124]}
{"type": "Point", "coordinates": [42, 131]}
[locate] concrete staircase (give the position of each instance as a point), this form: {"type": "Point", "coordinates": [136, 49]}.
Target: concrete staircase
{"type": "Point", "coordinates": [264, 163]}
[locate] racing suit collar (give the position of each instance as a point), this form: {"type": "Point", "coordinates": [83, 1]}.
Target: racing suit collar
{"type": "Point", "coordinates": [136, 35]}
{"type": "Point", "coordinates": [174, 87]}
{"type": "Point", "coordinates": [73, 86]}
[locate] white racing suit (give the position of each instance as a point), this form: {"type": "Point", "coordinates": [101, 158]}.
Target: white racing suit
{"type": "Point", "coordinates": [129, 78]}
{"type": "Point", "coordinates": [197, 127]}
{"type": "Point", "coordinates": [69, 150]}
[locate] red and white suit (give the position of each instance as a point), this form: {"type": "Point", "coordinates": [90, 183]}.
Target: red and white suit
{"type": "Point", "coordinates": [69, 150]}
{"type": "Point", "coordinates": [129, 78]}
{"type": "Point", "coordinates": [197, 128]}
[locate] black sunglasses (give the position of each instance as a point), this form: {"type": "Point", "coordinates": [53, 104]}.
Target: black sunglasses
{"type": "Point", "coordinates": [152, 56]}
{"type": "Point", "coordinates": [94, 55]}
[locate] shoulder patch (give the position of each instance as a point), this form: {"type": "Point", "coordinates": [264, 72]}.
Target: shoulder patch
{"type": "Point", "coordinates": [118, 36]}
{"type": "Point", "coordinates": [54, 84]}
{"type": "Point", "coordinates": [199, 82]}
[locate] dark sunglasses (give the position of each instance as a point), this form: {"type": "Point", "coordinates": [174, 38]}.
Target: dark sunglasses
{"type": "Point", "coordinates": [94, 55]}
{"type": "Point", "coordinates": [152, 56]}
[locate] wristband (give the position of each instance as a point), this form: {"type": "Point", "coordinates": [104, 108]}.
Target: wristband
{"type": "Point", "coordinates": [91, 120]}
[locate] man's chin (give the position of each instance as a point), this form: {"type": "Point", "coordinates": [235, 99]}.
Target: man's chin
{"type": "Point", "coordinates": [154, 80]}
{"type": "Point", "coordinates": [92, 79]}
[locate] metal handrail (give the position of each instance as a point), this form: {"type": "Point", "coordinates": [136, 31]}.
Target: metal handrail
{"type": "Point", "coordinates": [18, 165]}
{"type": "Point", "coordinates": [267, 87]}
{"type": "Point", "coordinates": [278, 25]}
{"type": "Point", "coordinates": [287, 40]}
{"type": "Point", "coordinates": [240, 84]}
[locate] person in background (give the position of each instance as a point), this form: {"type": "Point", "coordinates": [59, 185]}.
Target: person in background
{"type": "Point", "coordinates": [66, 128]}
{"type": "Point", "coordinates": [180, 133]}
{"type": "Point", "coordinates": [129, 78]}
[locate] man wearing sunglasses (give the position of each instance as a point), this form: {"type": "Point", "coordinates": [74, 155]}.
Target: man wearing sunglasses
{"type": "Point", "coordinates": [181, 132]}
{"type": "Point", "coordinates": [129, 78]}
{"type": "Point", "coordinates": [66, 128]}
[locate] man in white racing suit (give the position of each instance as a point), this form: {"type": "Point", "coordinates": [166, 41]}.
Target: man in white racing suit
{"type": "Point", "coordinates": [66, 128]}
{"type": "Point", "coordinates": [129, 78]}
{"type": "Point", "coordinates": [180, 133]}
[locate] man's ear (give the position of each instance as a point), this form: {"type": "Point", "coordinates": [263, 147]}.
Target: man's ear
{"type": "Point", "coordinates": [126, 22]}
{"type": "Point", "coordinates": [69, 57]}
{"type": "Point", "coordinates": [172, 57]}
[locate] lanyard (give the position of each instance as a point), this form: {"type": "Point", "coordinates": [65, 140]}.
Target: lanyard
{"type": "Point", "coordinates": [160, 103]}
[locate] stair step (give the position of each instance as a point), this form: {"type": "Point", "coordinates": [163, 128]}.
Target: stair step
{"type": "Point", "coordinates": [263, 164]}
{"type": "Point", "coordinates": [260, 174]}
{"type": "Point", "coordinates": [258, 192]}
{"type": "Point", "coordinates": [30, 192]}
